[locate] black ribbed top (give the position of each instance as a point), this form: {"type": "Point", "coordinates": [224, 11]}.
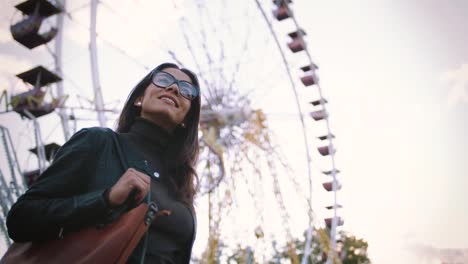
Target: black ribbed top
{"type": "Point", "coordinates": [169, 236]}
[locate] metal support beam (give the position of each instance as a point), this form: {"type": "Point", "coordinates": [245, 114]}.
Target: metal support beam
{"type": "Point", "coordinates": [98, 99]}
{"type": "Point", "coordinates": [58, 69]}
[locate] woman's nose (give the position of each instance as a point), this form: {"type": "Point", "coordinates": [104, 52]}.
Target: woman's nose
{"type": "Point", "coordinates": [174, 87]}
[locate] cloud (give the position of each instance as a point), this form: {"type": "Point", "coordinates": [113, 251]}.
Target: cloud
{"type": "Point", "coordinates": [139, 24]}
{"type": "Point", "coordinates": [10, 66]}
{"type": "Point", "coordinates": [6, 11]}
{"type": "Point", "coordinates": [458, 79]}
{"type": "Point", "coordinates": [429, 254]}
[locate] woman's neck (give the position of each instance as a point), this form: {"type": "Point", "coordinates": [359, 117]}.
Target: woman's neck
{"type": "Point", "coordinates": [149, 135]}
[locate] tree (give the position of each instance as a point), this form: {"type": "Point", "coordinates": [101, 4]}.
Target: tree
{"type": "Point", "coordinates": [242, 256]}
{"type": "Point", "coordinates": [351, 250]}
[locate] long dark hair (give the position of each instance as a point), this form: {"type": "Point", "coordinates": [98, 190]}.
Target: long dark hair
{"type": "Point", "coordinates": [181, 156]}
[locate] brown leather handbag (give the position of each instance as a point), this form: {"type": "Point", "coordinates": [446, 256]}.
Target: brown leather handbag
{"type": "Point", "coordinates": [110, 244]}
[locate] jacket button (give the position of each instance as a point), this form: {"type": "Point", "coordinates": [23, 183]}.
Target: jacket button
{"type": "Point", "coordinates": [156, 174]}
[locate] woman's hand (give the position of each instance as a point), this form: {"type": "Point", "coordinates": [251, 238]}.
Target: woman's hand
{"type": "Point", "coordinates": [130, 180]}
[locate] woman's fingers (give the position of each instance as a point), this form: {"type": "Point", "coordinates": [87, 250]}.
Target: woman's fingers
{"type": "Point", "coordinates": [142, 187]}
{"type": "Point", "coordinates": [143, 177]}
{"type": "Point", "coordinates": [130, 180]}
{"type": "Point", "coordinates": [140, 182]}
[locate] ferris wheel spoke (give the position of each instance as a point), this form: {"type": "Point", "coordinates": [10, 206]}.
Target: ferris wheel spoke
{"type": "Point", "coordinates": [201, 75]}
{"type": "Point", "coordinates": [238, 63]}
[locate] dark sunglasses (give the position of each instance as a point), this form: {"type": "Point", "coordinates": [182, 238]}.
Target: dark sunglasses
{"type": "Point", "coordinates": [164, 80]}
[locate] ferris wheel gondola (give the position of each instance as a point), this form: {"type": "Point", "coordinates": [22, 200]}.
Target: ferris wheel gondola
{"type": "Point", "coordinates": [26, 31]}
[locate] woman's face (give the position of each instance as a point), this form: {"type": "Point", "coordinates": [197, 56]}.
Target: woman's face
{"type": "Point", "coordinates": [165, 106]}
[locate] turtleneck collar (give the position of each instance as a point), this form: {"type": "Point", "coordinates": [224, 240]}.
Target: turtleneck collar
{"type": "Point", "coordinates": [150, 134]}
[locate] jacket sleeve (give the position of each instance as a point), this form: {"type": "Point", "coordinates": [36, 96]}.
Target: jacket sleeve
{"type": "Point", "coordinates": [60, 199]}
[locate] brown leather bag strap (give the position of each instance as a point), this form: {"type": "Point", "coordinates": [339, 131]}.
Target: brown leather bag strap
{"type": "Point", "coordinates": [142, 227]}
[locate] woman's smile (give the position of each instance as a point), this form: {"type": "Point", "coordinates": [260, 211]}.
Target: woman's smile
{"type": "Point", "coordinates": [169, 100]}
{"type": "Point", "coordinates": [165, 106]}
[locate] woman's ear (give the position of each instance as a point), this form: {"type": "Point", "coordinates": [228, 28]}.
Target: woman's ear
{"type": "Point", "coordinates": [138, 102]}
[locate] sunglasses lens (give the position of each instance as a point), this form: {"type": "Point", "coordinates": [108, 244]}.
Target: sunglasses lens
{"type": "Point", "coordinates": [188, 90]}
{"type": "Point", "coordinates": [162, 79]}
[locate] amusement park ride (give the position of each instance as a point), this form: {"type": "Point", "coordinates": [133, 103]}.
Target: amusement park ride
{"type": "Point", "coordinates": [235, 141]}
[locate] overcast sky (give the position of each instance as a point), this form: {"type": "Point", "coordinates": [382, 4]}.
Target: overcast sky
{"type": "Point", "coordinates": [395, 74]}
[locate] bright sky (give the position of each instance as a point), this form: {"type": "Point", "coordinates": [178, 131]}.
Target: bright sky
{"type": "Point", "coordinates": [395, 74]}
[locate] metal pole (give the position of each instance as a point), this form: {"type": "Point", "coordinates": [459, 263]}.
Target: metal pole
{"type": "Point", "coordinates": [5, 194]}
{"type": "Point", "coordinates": [13, 160]}
{"type": "Point", "coordinates": [39, 144]}
{"type": "Point", "coordinates": [5, 203]}
{"type": "Point", "coordinates": [307, 245]}
{"type": "Point", "coordinates": [8, 154]}
{"type": "Point", "coordinates": [249, 256]}
{"type": "Point", "coordinates": [58, 68]}
{"type": "Point", "coordinates": [98, 99]}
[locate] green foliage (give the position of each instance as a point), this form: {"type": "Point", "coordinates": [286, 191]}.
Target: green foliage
{"type": "Point", "coordinates": [351, 250]}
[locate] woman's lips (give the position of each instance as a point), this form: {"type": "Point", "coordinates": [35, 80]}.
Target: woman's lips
{"type": "Point", "coordinates": [168, 100]}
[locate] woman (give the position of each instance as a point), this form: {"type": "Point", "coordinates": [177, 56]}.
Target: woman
{"type": "Point", "coordinates": [86, 183]}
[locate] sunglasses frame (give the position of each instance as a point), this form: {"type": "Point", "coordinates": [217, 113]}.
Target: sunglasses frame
{"type": "Point", "coordinates": [175, 80]}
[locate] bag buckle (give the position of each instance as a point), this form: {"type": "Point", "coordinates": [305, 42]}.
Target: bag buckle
{"type": "Point", "coordinates": [151, 213]}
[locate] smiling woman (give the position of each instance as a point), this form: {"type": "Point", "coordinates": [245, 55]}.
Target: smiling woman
{"type": "Point", "coordinates": [158, 133]}
{"type": "Point", "coordinates": [166, 100]}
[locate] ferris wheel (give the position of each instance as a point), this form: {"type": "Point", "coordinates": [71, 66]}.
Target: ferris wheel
{"type": "Point", "coordinates": [257, 161]}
